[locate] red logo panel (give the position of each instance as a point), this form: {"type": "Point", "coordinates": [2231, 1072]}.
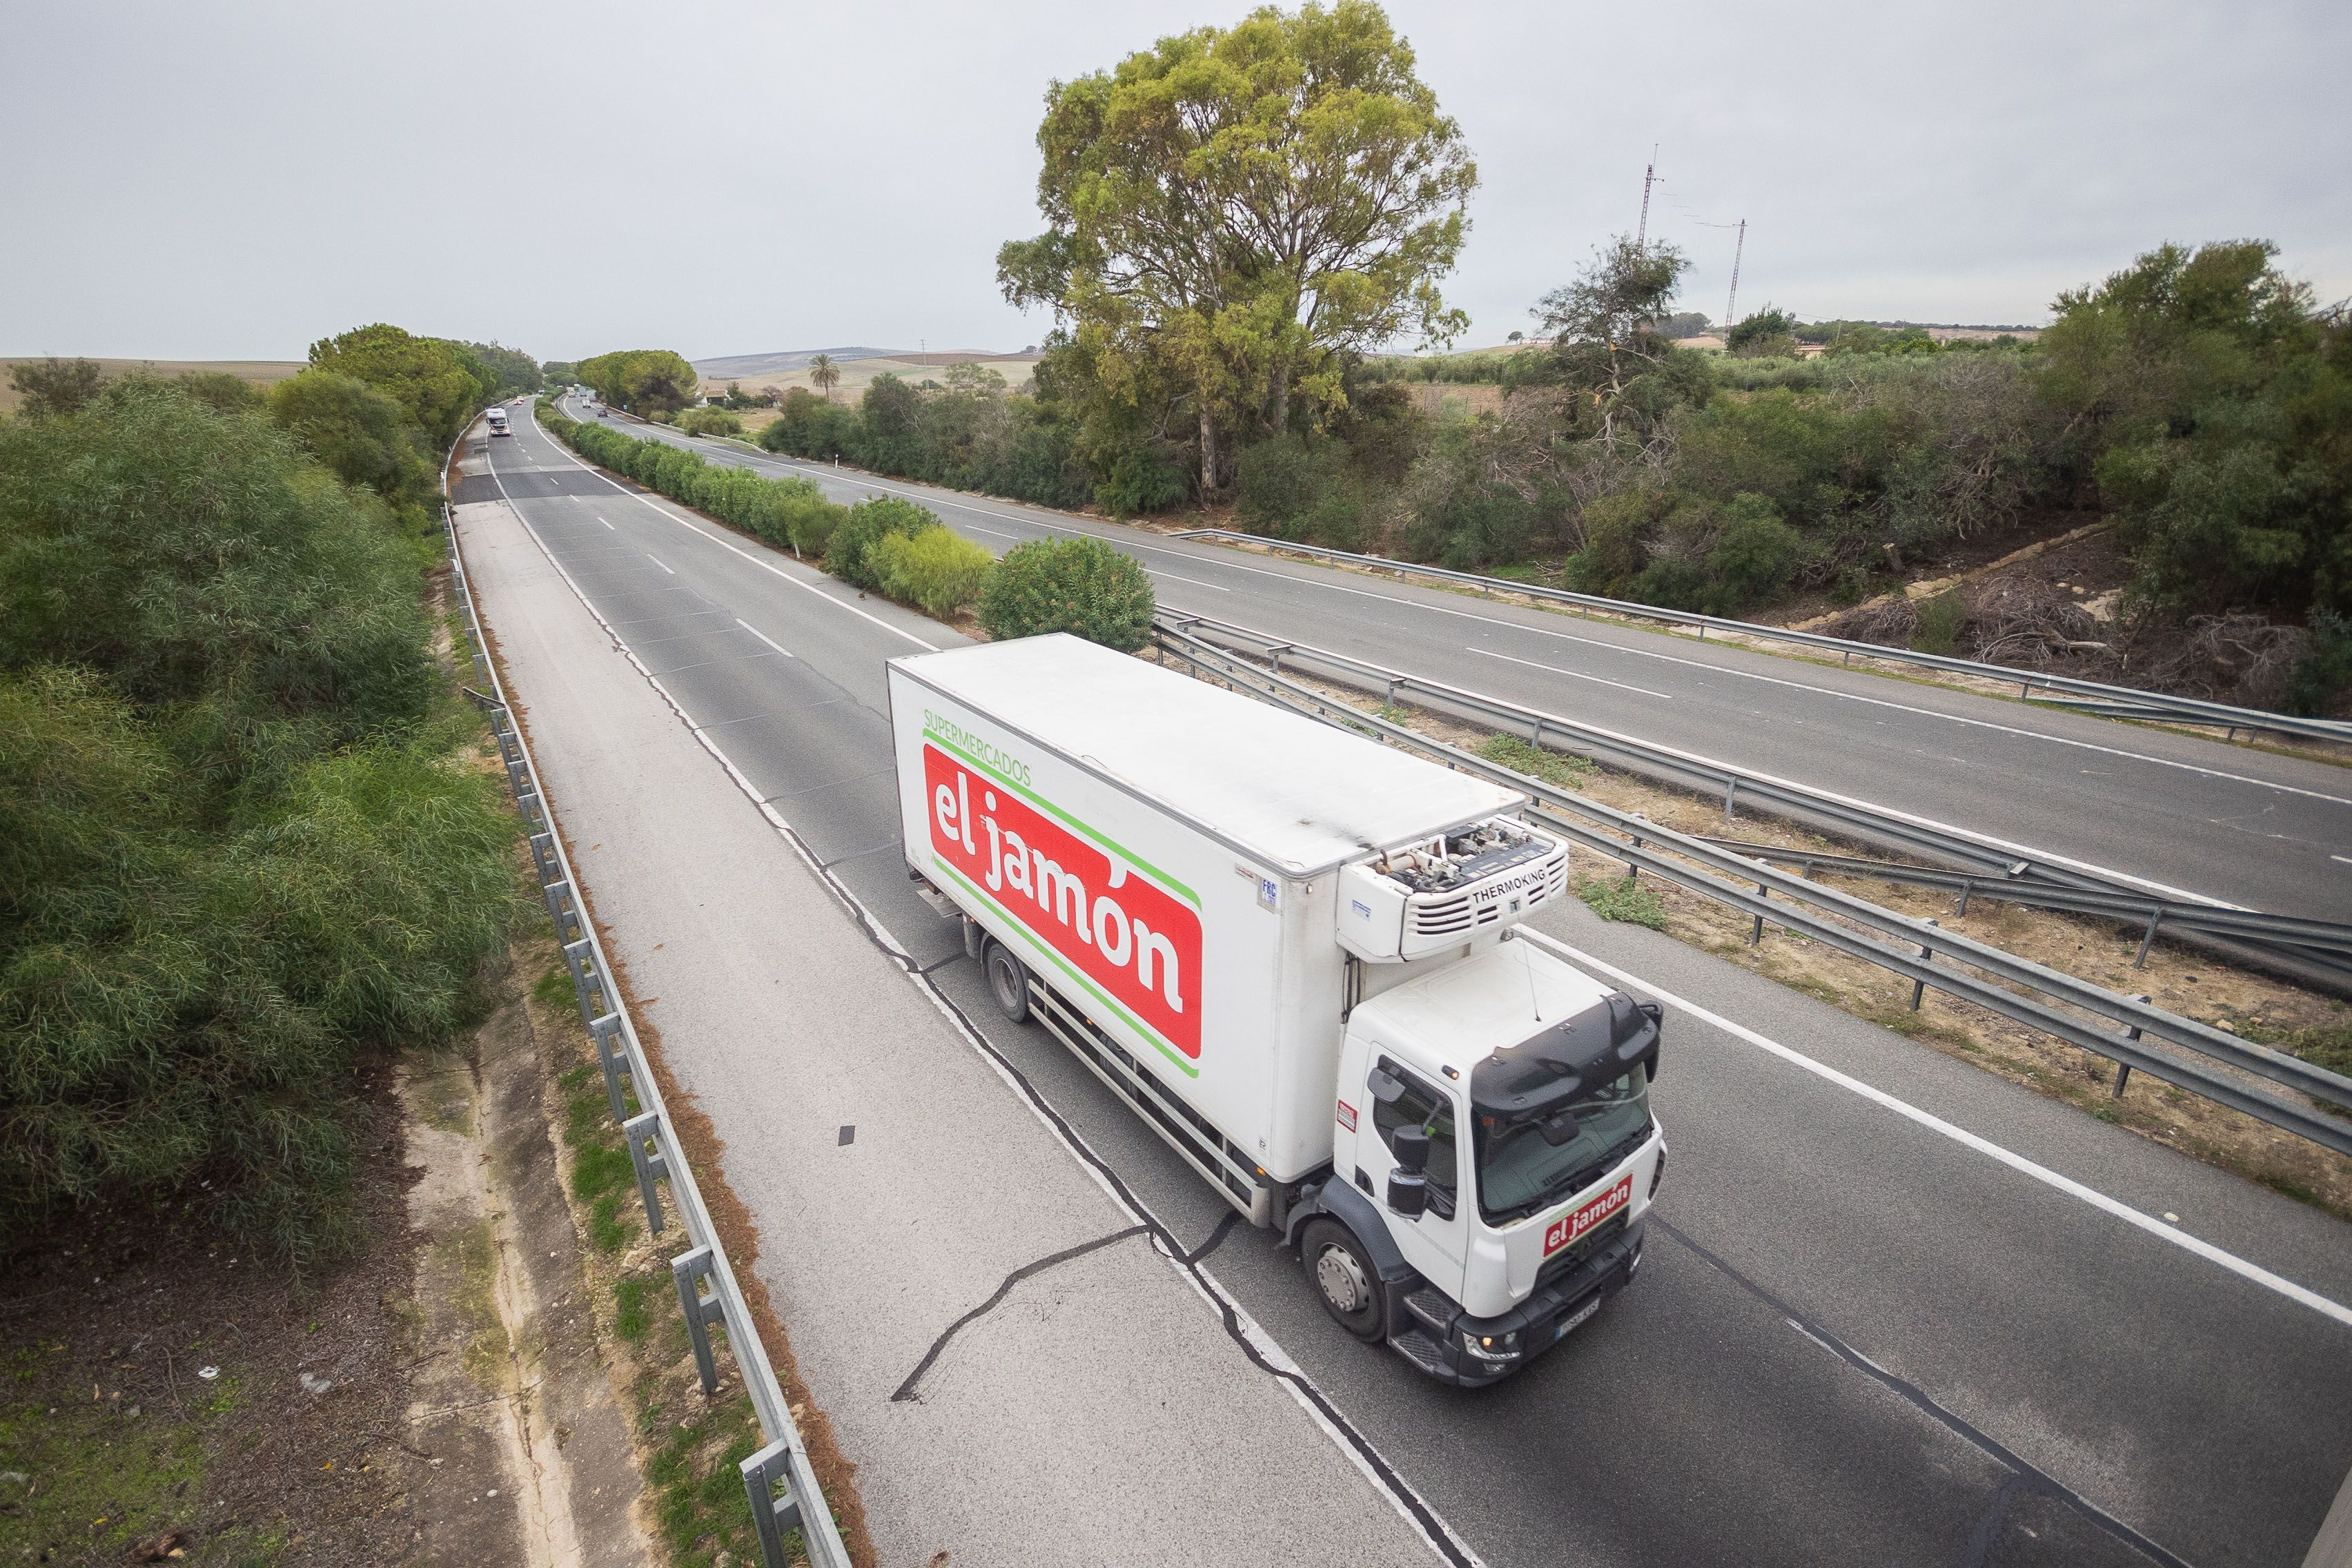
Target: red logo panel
{"type": "Point", "coordinates": [1569, 1227]}
{"type": "Point", "coordinates": [1136, 941]}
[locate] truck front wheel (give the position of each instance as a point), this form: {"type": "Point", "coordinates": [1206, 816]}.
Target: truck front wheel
{"type": "Point", "coordinates": [1008, 981]}
{"type": "Point", "coordinates": [1344, 1278]}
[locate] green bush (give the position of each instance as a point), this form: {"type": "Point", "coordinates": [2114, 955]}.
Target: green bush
{"type": "Point", "coordinates": [236, 851]}
{"type": "Point", "coordinates": [1079, 586]}
{"type": "Point", "coordinates": [792, 513]}
{"type": "Point", "coordinates": [937, 569]}
{"type": "Point", "coordinates": [1941, 620]}
{"type": "Point", "coordinates": [1624, 899]}
{"type": "Point", "coordinates": [708, 421]}
{"type": "Point", "coordinates": [848, 555]}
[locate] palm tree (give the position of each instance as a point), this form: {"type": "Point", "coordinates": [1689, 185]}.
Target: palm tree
{"type": "Point", "coordinates": [825, 374]}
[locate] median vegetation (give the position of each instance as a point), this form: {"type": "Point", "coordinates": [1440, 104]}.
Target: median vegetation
{"type": "Point", "coordinates": [892, 546]}
{"type": "Point", "coordinates": [242, 842]}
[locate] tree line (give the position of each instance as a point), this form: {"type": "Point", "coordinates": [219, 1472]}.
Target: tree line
{"type": "Point", "coordinates": [245, 841]}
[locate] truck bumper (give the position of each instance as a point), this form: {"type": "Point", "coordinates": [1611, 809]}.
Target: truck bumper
{"type": "Point", "coordinates": [1430, 1330]}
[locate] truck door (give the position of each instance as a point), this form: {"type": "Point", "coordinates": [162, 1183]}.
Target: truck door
{"type": "Point", "coordinates": [1436, 1243]}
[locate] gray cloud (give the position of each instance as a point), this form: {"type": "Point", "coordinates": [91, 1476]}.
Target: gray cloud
{"type": "Point", "coordinates": [233, 181]}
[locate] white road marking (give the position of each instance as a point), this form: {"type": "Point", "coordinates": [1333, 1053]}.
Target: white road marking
{"type": "Point", "coordinates": [2299, 1294]}
{"type": "Point", "coordinates": [1600, 643]}
{"type": "Point", "coordinates": [763, 636]}
{"type": "Point", "coordinates": [660, 562]}
{"type": "Point", "coordinates": [764, 565]}
{"type": "Point", "coordinates": [2345, 859]}
{"type": "Point", "coordinates": [608, 525]}
{"type": "Point", "coordinates": [1556, 670]}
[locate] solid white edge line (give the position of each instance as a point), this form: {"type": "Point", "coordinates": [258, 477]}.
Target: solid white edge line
{"type": "Point", "coordinates": [763, 636]}
{"type": "Point", "coordinates": [2301, 1295]}
{"type": "Point", "coordinates": [1220, 1299]}
{"type": "Point", "coordinates": [765, 565]}
{"type": "Point", "coordinates": [842, 477]}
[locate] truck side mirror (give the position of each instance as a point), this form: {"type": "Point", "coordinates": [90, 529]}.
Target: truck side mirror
{"type": "Point", "coordinates": [1409, 1182]}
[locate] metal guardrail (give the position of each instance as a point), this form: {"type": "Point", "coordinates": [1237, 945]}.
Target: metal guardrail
{"type": "Point", "coordinates": [779, 1481]}
{"type": "Point", "coordinates": [2084, 695]}
{"type": "Point", "coordinates": [2312, 952]}
{"type": "Point", "coordinates": [2179, 1051]}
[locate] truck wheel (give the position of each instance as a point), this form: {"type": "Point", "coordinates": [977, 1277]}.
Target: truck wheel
{"type": "Point", "coordinates": [1008, 981]}
{"type": "Point", "coordinates": [1345, 1278]}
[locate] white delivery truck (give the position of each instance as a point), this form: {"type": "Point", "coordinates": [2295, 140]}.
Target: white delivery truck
{"type": "Point", "coordinates": [498, 421]}
{"type": "Point", "coordinates": [1291, 949]}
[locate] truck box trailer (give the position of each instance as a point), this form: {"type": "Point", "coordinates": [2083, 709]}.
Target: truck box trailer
{"type": "Point", "coordinates": [1291, 950]}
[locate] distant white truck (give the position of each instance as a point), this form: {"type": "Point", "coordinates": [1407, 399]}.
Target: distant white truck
{"type": "Point", "coordinates": [1291, 950]}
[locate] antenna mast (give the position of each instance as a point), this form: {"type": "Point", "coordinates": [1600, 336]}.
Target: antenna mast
{"type": "Point", "coordinates": [1649, 177]}
{"type": "Point", "coordinates": [1731, 310]}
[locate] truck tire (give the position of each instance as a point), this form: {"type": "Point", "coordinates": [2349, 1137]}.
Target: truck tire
{"type": "Point", "coordinates": [1344, 1278]}
{"type": "Point", "coordinates": [1008, 981]}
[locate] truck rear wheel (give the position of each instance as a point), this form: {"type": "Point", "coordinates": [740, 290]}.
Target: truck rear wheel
{"type": "Point", "coordinates": [1344, 1278]}
{"type": "Point", "coordinates": [1008, 981]}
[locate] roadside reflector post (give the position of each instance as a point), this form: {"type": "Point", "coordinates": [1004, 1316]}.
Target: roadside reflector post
{"type": "Point", "coordinates": [689, 1268]}
{"type": "Point", "coordinates": [764, 1473]}
{"type": "Point", "coordinates": [1919, 987]}
{"type": "Point", "coordinates": [640, 1131]}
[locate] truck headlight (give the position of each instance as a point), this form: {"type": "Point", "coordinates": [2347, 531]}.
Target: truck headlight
{"type": "Point", "coordinates": [1494, 1348]}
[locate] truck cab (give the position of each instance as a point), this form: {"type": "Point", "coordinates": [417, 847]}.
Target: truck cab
{"type": "Point", "coordinates": [1493, 1155]}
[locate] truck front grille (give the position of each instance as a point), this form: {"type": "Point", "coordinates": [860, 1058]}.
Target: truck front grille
{"type": "Point", "coordinates": [1564, 1262]}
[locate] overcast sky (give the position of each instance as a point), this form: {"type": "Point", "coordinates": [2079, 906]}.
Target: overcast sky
{"type": "Point", "coordinates": [233, 181]}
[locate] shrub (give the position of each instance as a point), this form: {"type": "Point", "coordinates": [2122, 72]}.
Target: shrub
{"type": "Point", "coordinates": [232, 851]}
{"type": "Point", "coordinates": [1565, 769]}
{"type": "Point", "coordinates": [811, 524]}
{"type": "Point", "coordinates": [1941, 620]}
{"type": "Point", "coordinates": [1079, 586]}
{"type": "Point", "coordinates": [849, 553]}
{"type": "Point", "coordinates": [709, 422]}
{"type": "Point", "coordinates": [1626, 899]}
{"type": "Point", "coordinates": [937, 569]}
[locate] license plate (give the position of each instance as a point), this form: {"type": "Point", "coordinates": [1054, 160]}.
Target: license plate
{"type": "Point", "coordinates": [1576, 1317]}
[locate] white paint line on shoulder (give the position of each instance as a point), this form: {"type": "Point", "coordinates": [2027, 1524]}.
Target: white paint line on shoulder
{"type": "Point", "coordinates": [1729, 670]}
{"type": "Point", "coordinates": [660, 562]}
{"type": "Point", "coordinates": [763, 636]}
{"type": "Point", "coordinates": [2299, 1294]}
{"type": "Point", "coordinates": [764, 565]}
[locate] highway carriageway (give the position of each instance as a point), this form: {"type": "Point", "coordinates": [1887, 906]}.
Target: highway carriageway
{"type": "Point", "coordinates": [2180, 814]}
{"type": "Point", "coordinates": [1897, 1311]}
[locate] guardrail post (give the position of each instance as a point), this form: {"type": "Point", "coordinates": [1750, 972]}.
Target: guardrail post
{"type": "Point", "coordinates": [1756, 937]}
{"type": "Point", "coordinates": [542, 855]}
{"type": "Point", "coordinates": [688, 1269]}
{"type": "Point", "coordinates": [570, 926]}
{"type": "Point", "coordinates": [1919, 987]}
{"type": "Point", "coordinates": [612, 1056]}
{"type": "Point", "coordinates": [1968, 886]}
{"type": "Point", "coordinates": [2123, 1069]}
{"type": "Point", "coordinates": [772, 1515]}
{"type": "Point", "coordinates": [640, 1131]}
{"type": "Point", "coordinates": [585, 981]}
{"type": "Point", "coordinates": [2154, 919]}
{"type": "Point", "coordinates": [1730, 794]}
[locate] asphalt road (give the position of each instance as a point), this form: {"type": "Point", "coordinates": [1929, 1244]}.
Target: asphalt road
{"type": "Point", "coordinates": [2177, 810]}
{"type": "Point", "coordinates": [1859, 1337]}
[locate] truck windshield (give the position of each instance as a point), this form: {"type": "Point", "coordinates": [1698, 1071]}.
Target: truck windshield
{"type": "Point", "coordinates": [1521, 1170]}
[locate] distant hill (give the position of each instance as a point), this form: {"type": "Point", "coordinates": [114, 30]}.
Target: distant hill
{"type": "Point", "coordinates": [859, 367]}
{"type": "Point", "coordinates": [743, 367]}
